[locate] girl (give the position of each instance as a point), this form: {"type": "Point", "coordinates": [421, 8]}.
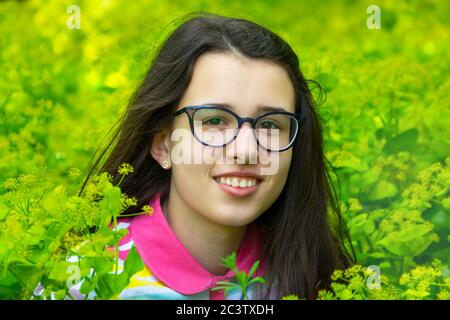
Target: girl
{"type": "Point", "coordinates": [229, 92]}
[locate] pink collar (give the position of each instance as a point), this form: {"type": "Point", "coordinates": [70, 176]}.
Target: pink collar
{"type": "Point", "coordinates": [170, 261]}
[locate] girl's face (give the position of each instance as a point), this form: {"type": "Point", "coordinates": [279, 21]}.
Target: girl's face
{"type": "Point", "coordinates": [245, 85]}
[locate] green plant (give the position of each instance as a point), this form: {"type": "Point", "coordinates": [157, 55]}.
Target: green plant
{"type": "Point", "coordinates": [44, 227]}
{"type": "Point", "coordinates": [244, 280]}
{"type": "Point", "coordinates": [422, 282]}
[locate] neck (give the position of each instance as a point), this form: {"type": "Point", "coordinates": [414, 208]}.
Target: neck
{"type": "Point", "coordinates": [206, 240]}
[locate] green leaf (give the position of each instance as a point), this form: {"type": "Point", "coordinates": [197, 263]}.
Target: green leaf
{"type": "Point", "coordinates": [230, 261]}
{"type": "Point", "coordinates": [242, 278]}
{"type": "Point", "coordinates": [368, 177]}
{"type": "Point", "coordinates": [405, 141]}
{"type": "Point", "coordinates": [60, 271]}
{"type": "Point", "coordinates": [225, 285]}
{"type": "Point", "coordinates": [110, 204]}
{"type": "Point", "coordinates": [219, 288]}
{"type": "Point", "coordinates": [256, 279]}
{"type": "Point", "coordinates": [360, 225]}
{"type": "Point", "coordinates": [382, 190]}
{"type": "Point", "coordinates": [89, 284]}
{"type": "Point", "coordinates": [253, 269]}
{"type": "Point", "coordinates": [133, 262]}
{"type": "Point", "coordinates": [377, 255]}
{"type": "Point", "coordinates": [409, 242]}
{"type": "Point", "coordinates": [111, 285]}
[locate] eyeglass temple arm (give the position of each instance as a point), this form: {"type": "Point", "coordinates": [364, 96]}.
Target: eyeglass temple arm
{"type": "Point", "coordinates": [176, 113]}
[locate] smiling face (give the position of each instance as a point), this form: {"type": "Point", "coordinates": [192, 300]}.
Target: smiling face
{"type": "Point", "coordinates": [213, 189]}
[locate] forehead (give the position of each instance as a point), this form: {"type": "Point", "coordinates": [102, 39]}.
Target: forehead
{"type": "Point", "coordinates": [243, 83]}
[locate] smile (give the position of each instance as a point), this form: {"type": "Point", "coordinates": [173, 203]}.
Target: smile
{"type": "Point", "coordinates": [237, 186]}
{"type": "Point", "coordinates": [237, 181]}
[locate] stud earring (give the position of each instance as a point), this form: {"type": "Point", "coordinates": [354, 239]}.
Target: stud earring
{"type": "Point", "coordinates": [165, 164]}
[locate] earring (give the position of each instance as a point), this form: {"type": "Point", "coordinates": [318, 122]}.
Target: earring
{"type": "Point", "coordinates": [165, 164]}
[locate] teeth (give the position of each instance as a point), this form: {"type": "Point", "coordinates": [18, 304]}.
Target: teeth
{"type": "Point", "coordinates": [237, 182]}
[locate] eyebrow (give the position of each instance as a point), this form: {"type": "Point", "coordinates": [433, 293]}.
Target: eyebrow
{"type": "Point", "coordinates": [260, 109]}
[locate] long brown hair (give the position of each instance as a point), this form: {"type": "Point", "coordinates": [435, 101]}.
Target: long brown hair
{"type": "Point", "coordinates": [305, 238]}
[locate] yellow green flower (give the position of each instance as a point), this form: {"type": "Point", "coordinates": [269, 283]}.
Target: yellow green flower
{"type": "Point", "coordinates": [125, 169]}
{"type": "Point", "coordinates": [148, 210]}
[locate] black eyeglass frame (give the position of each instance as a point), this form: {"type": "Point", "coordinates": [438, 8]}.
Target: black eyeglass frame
{"type": "Point", "coordinates": [190, 111]}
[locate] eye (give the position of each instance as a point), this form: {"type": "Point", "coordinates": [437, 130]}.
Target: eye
{"type": "Point", "coordinates": [266, 124]}
{"type": "Point", "coordinates": [213, 122]}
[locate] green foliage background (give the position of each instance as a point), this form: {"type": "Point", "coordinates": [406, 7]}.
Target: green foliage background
{"type": "Point", "coordinates": [386, 121]}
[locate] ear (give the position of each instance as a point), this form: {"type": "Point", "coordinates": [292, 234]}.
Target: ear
{"type": "Point", "coordinates": [160, 149]}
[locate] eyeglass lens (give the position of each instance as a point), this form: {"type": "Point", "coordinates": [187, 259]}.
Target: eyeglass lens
{"type": "Point", "coordinates": [216, 127]}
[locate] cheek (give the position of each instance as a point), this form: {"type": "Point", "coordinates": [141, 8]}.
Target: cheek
{"type": "Point", "coordinates": [276, 179]}
{"type": "Point", "coordinates": [275, 166]}
{"type": "Point", "coordinates": [191, 185]}
{"type": "Point", "coordinates": [187, 150]}
{"type": "Point", "coordinates": [191, 174]}
{"type": "Point", "coordinates": [285, 164]}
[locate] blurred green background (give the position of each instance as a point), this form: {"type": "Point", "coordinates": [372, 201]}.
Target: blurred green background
{"type": "Point", "coordinates": [386, 117]}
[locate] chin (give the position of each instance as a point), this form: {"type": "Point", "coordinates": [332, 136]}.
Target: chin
{"type": "Point", "coordinates": [234, 219]}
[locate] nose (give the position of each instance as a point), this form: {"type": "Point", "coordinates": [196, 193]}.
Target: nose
{"type": "Point", "coordinates": [244, 148]}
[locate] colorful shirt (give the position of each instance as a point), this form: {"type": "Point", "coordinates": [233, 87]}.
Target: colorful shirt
{"type": "Point", "coordinates": [170, 271]}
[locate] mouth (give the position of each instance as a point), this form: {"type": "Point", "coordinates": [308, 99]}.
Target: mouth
{"type": "Point", "coordinates": [238, 186]}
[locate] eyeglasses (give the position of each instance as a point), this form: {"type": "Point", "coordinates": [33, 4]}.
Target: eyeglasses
{"type": "Point", "coordinates": [216, 126]}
